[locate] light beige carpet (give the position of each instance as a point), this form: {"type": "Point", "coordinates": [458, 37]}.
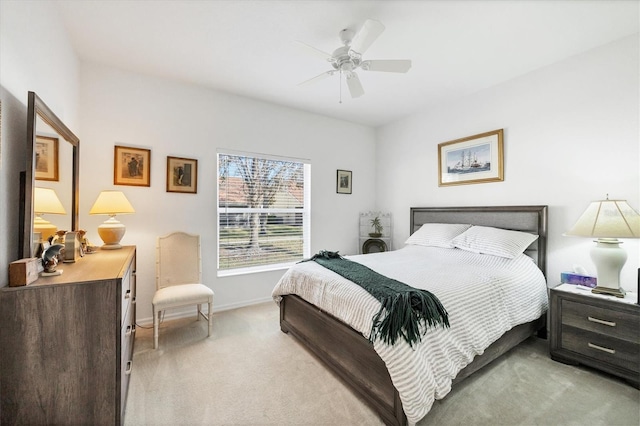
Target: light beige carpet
{"type": "Point", "coordinates": [250, 373]}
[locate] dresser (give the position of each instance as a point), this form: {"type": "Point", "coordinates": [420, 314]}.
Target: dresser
{"type": "Point", "coordinates": [598, 331]}
{"type": "Point", "coordinates": [66, 343]}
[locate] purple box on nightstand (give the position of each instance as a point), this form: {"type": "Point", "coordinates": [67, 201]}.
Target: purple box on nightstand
{"type": "Point", "coordinates": [573, 278]}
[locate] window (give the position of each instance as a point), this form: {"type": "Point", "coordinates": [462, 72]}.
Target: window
{"type": "Point", "coordinates": [263, 212]}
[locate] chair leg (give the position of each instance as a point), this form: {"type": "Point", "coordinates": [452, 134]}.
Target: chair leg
{"type": "Point", "coordinates": [210, 317]}
{"type": "Point", "coordinates": [156, 320]}
{"type": "Point", "coordinates": [199, 311]}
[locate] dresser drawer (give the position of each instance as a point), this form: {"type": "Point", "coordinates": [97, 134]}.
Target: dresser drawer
{"type": "Point", "coordinates": [617, 324]}
{"type": "Point", "coordinates": [127, 366]}
{"type": "Point", "coordinates": [602, 347]}
{"type": "Point", "coordinates": [127, 334]}
{"type": "Point", "coordinates": [127, 293]}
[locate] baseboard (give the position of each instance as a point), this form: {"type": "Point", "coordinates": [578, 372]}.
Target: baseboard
{"type": "Point", "coordinates": [188, 312]}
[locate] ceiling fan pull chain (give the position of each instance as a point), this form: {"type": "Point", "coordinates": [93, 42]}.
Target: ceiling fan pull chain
{"type": "Point", "coordinates": [340, 84]}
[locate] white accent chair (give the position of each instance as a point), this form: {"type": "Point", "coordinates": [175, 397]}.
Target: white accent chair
{"type": "Point", "coordinates": [179, 278]}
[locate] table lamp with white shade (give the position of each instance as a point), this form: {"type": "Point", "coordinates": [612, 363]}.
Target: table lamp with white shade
{"type": "Point", "coordinates": [111, 203]}
{"type": "Point", "coordinates": [607, 220]}
{"type": "Point", "coordinates": [45, 201]}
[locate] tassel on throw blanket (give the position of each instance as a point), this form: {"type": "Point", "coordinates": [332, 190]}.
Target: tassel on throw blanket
{"type": "Point", "coordinates": [403, 309]}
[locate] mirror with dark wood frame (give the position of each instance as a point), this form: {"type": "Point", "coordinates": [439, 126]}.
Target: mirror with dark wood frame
{"type": "Point", "coordinates": [52, 162]}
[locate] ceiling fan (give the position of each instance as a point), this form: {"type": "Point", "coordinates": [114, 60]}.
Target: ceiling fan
{"type": "Point", "coordinates": [346, 59]}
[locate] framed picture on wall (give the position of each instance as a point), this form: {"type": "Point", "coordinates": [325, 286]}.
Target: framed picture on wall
{"type": "Point", "coordinates": [131, 166]}
{"type": "Point", "coordinates": [182, 175]}
{"type": "Point", "coordinates": [46, 161]}
{"type": "Point", "coordinates": [344, 182]}
{"type": "Point", "coordinates": [474, 159]}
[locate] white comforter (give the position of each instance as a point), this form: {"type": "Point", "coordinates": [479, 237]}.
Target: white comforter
{"type": "Point", "coordinates": [484, 295]}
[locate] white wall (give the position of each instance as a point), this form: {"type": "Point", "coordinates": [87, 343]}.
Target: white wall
{"type": "Point", "coordinates": [35, 55]}
{"type": "Point", "coordinates": [183, 120]}
{"type": "Point", "coordinates": [571, 136]}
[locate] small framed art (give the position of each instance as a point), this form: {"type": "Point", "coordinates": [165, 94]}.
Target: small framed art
{"type": "Point", "coordinates": [344, 182]}
{"type": "Point", "coordinates": [46, 160]}
{"type": "Point", "coordinates": [182, 175]}
{"type": "Point", "coordinates": [132, 166]}
{"type": "Point", "coordinates": [474, 159]}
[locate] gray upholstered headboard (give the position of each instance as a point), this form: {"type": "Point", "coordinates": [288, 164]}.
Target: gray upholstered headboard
{"type": "Point", "coordinates": [531, 219]}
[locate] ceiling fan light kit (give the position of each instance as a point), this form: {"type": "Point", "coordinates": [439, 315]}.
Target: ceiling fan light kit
{"type": "Point", "coordinates": [347, 58]}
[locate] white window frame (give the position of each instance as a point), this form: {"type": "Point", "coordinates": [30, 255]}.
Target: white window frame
{"type": "Point", "coordinates": [304, 211]}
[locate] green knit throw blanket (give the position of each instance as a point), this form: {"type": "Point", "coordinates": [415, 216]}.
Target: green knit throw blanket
{"type": "Point", "coordinates": [403, 309]}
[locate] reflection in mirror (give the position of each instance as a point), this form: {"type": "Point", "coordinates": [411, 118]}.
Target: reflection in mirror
{"type": "Point", "coordinates": [52, 170]}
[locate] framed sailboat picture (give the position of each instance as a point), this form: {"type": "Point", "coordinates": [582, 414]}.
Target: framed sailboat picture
{"type": "Point", "coordinates": [474, 159]}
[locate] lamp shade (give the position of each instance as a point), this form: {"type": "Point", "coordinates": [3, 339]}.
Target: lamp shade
{"type": "Point", "coordinates": [111, 203]}
{"type": "Point", "coordinates": [608, 219]}
{"type": "Point", "coordinates": [45, 200]}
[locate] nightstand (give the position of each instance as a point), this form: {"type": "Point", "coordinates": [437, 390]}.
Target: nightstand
{"type": "Point", "coordinates": [598, 331]}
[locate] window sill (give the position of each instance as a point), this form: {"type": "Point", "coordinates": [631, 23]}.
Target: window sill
{"type": "Point", "coordinates": [254, 269]}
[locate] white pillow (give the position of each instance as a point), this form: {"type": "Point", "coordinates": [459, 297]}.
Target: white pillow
{"type": "Point", "coordinates": [437, 234]}
{"type": "Point", "coordinates": [494, 241]}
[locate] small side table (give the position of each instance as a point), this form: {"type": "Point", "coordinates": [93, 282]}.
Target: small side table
{"type": "Point", "coordinates": [595, 330]}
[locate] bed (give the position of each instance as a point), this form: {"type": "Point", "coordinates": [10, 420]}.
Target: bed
{"type": "Point", "coordinates": [353, 357]}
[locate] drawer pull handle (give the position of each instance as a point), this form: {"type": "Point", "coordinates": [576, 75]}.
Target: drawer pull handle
{"type": "Point", "coordinates": [127, 370]}
{"type": "Point", "coordinates": [600, 348]}
{"type": "Point", "coordinates": [127, 294]}
{"type": "Point", "coordinates": [603, 322]}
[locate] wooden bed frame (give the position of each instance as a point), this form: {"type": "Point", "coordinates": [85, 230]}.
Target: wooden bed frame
{"type": "Point", "coordinates": [352, 357]}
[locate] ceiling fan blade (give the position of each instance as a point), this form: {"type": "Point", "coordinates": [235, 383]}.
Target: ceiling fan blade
{"type": "Point", "coordinates": [317, 78]}
{"type": "Point", "coordinates": [387, 65]}
{"type": "Point", "coordinates": [355, 87]}
{"type": "Point", "coordinates": [313, 51]}
{"type": "Point", "coordinates": [366, 36]}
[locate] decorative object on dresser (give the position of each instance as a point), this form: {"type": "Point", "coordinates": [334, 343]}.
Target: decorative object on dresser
{"type": "Point", "coordinates": [112, 230]}
{"type": "Point", "coordinates": [344, 182]}
{"type": "Point", "coordinates": [50, 259]}
{"type": "Point", "coordinates": [607, 220]}
{"type": "Point", "coordinates": [596, 330]}
{"type": "Point", "coordinates": [179, 279]}
{"type": "Point", "coordinates": [45, 201]}
{"type": "Point", "coordinates": [474, 159]}
{"type": "Point", "coordinates": [182, 175]}
{"type": "Point", "coordinates": [72, 247]}
{"type": "Point", "coordinates": [24, 271]}
{"type": "Point", "coordinates": [131, 166]}
{"type": "Point", "coordinates": [66, 343]}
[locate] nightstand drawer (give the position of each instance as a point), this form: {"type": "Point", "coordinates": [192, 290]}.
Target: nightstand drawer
{"type": "Point", "coordinates": [601, 347]}
{"type": "Point", "coordinates": [617, 324]}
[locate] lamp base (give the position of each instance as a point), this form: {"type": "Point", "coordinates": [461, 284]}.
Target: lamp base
{"type": "Point", "coordinates": [617, 292]}
{"type": "Point", "coordinates": [45, 228]}
{"type": "Point", "coordinates": [110, 247]}
{"type": "Point", "coordinates": [111, 232]}
{"type": "Point", "coordinates": [609, 259]}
